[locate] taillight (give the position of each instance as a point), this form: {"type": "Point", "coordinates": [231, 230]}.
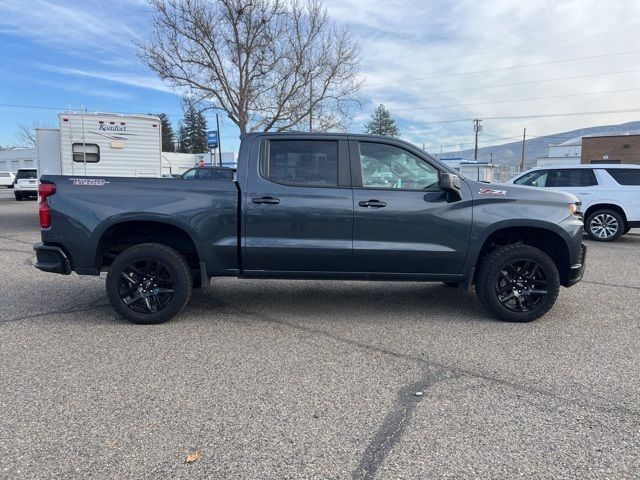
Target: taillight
{"type": "Point", "coordinates": [45, 190]}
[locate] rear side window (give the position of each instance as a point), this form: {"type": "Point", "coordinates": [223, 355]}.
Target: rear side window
{"type": "Point", "coordinates": [4, 174]}
{"type": "Point", "coordinates": [312, 163]}
{"type": "Point", "coordinates": [24, 174]}
{"type": "Point", "coordinates": [625, 176]}
{"type": "Point", "coordinates": [571, 177]}
{"type": "Point", "coordinates": [90, 151]}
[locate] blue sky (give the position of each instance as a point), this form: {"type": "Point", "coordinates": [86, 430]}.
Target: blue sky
{"type": "Point", "coordinates": [435, 64]}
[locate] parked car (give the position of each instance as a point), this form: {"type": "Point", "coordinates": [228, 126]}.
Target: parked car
{"type": "Point", "coordinates": [313, 206]}
{"type": "Point", "coordinates": [208, 173]}
{"type": "Point", "coordinates": [26, 183]}
{"type": "Point", "coordinates": [610, 194]}
{"type": "Point", "coordinates": [7, 179]}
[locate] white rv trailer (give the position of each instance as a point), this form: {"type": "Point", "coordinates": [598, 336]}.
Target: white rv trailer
{"type": "Point", "coordinates": [106, 144]}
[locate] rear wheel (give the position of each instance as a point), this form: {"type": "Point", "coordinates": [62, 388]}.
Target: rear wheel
{"type": "Point", "coordinates": [517, 283]}
{"type": "Point", "coordinates": [18, 196]}
{"type": "Point", "coordinates": [605, 225]}
{"type": "Point", "coordinates": [149, 283]}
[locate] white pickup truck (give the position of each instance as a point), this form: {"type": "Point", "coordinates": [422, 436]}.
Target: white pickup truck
{"type": "Point", "coordinates": [610, 194]}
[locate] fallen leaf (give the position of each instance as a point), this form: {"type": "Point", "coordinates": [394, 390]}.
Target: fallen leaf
{"type": "Point", "coordinates": [193, 457]}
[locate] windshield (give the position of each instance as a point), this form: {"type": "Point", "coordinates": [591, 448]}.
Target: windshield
{"type": "Point", "coordinates": [23, 174]}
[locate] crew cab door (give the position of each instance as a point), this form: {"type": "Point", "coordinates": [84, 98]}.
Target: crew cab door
{"type": "Point", "coordinates": [298, 205]}
{"type": "Point", "coordinates": [403, 222]}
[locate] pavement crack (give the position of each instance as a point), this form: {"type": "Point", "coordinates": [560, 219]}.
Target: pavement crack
{"type": "Point", "coordinates": [611, 285]}
{"type": "Point", "coordinates": [593, 403]}
{"type": "Point", "coordinates": [396, 421]}
{"type": "Point", "coordinates": [73, 309]}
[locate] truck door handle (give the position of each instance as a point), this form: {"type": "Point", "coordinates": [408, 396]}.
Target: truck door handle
{"type": "Point", "coordinates": [266, 200]}
{"type": "Point", "coordinates": [372, 204]}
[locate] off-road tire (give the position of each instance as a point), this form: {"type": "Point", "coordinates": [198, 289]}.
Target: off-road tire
{"type": "Point", "coordinates": [174, 263]}
{"type": "Point", "coordinates": [489, 275]}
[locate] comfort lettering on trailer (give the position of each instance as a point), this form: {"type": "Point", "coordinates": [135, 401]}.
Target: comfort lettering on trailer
{"type": "Point", "coordinates": [92, 182]}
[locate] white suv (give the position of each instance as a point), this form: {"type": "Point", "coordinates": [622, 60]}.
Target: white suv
{"type": "Point", "coordinates": [26, 183]}
{"type": "Point", "coordinates": [6, 179]}
{"type": "Point", "coordinates": [610, 194]}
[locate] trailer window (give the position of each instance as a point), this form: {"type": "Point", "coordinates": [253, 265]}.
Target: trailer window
{"type": "Point", "coordinates": [89, 150]}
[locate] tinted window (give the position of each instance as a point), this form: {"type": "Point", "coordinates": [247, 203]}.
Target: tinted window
{"type": "Point", "coordinates": [625, 176]}
{"type": "Point", "coordinates": [533, 179]}
{"type": "Point", "coordinates": [215, 174]}
{"type": "Point", "coordinates": [189, 174]}
{"type": "Point", "coordinates": [571, 177]}
{"type": "Point", "coordinates": [301, 162]}
{"type": "Point", "coordinates": [88, 151]}
{"type": "Point", "coordinates": [387, 166]}
{"type": "Point", "coordinates": [22, 174]}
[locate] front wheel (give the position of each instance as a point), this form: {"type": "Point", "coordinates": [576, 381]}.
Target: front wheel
{"type": "Point", "coordinates": [149, 283]}
{"type": "Point", "coordinates": [605, 225]}
{"type": "Point", "coordinates": [517, 283]}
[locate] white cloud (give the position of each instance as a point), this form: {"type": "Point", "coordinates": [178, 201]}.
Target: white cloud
{"type": "Point", "coordinates": [418, 58]}
{"type": "Point", "coordinates": [134, 80]}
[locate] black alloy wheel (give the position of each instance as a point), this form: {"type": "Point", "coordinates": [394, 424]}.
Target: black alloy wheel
{"type": "Point", "coordinates": [517, 283]}
{"type": "Point", "coordinates": [149, 283]}
{"type": "Point", "coordinates": [146, 286]}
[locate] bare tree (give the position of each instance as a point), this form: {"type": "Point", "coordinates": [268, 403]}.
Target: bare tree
{"type": "Point", "coordinates": [269, 64]}
{"type": "Point", "coordinates": [26, 136]}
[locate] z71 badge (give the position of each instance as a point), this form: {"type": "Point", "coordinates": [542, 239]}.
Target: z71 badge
{"type": "Point", "coordinates": [491, 191]}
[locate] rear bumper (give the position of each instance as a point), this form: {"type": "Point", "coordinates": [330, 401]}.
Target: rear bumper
{"type": "Point", "coordinates": [577, 269]}
{"type": "Point", "coordinates": [51, 259]}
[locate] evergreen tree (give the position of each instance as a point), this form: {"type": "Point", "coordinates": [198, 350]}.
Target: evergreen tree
{"type": "Point", "coordinates": [168, 144]}
{"type": "Point", "coordinates": [192, 133]}
{"type": "Point", "coordinates": [382, 123]}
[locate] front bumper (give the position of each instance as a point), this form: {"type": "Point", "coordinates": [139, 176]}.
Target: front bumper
{"type": "Point", "coordinates": [577, 269]}
{"type": "Point", "coordinates": [51, 259]}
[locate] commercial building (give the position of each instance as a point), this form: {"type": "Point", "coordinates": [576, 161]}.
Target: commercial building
{"type": "Point", "coordinates": [612, 149]}
{"type": "Point", "coordinates": [565, 153]}
{"type": "Point", "coordinates": [12, 160]}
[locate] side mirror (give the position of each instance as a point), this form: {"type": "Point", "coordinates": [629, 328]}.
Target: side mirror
{"type": "Point", "coordinates": [450, 183]}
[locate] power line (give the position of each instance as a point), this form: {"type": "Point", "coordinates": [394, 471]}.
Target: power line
{"type": "Point", "coordinates": [590, 57]}
{"type": "Point", "coordinates": [519, 117]}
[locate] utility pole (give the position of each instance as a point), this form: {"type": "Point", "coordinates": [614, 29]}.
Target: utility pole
{"type": "Point", "coordinates": [219, 143]}
{"type": "Point", "coordinates": [311, 106]}
{"type": "Point", "coordinates": [477, 128]}
{"type": "Point", "coordinates": [524, 139]}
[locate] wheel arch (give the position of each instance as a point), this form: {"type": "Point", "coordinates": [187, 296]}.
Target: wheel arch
{"type": "Point", "coordinates": [123, 233]}
{"type": "Point", "coordinates": [606, 206]}
{"type": "Point", "coordinates": [552, 241]}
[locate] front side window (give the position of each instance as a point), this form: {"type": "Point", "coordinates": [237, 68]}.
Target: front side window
{"type": "Point", "coordinates": [312, 163]}
{"type": "Point", "coordinates": [388, 166]}
{"type": "Point", "coordinates": [571, 177]}
{"type": "Point", "coordinates": [625, 176]}
{"type": "Point", "coordinates": [89, 152]}
{"type": "Point", "coordinates": [533, 179]}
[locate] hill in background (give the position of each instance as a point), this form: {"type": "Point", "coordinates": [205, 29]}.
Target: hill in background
{"type": "Point", "coordinates": [509, 153]}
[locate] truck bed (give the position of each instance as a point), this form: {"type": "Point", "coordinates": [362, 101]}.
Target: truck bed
{"type": "Point", "coordinates": [85, 208]}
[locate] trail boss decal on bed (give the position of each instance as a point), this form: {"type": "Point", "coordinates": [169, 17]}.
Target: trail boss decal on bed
{"type": "Point", "coordinates": [92, 182]}
{"type": "Point", "coordinates": [491, 191]}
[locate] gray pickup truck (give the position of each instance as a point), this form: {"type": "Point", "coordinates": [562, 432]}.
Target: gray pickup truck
{"type": "Point", "coordinates": [313, 206]}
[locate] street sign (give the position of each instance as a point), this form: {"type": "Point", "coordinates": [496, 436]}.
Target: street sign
{"type": "Point", "coordinates": [212, 138]}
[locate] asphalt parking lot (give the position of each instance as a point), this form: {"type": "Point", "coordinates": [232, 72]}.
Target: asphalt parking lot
{"type": "Point", "coordinates": [297, 379]}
